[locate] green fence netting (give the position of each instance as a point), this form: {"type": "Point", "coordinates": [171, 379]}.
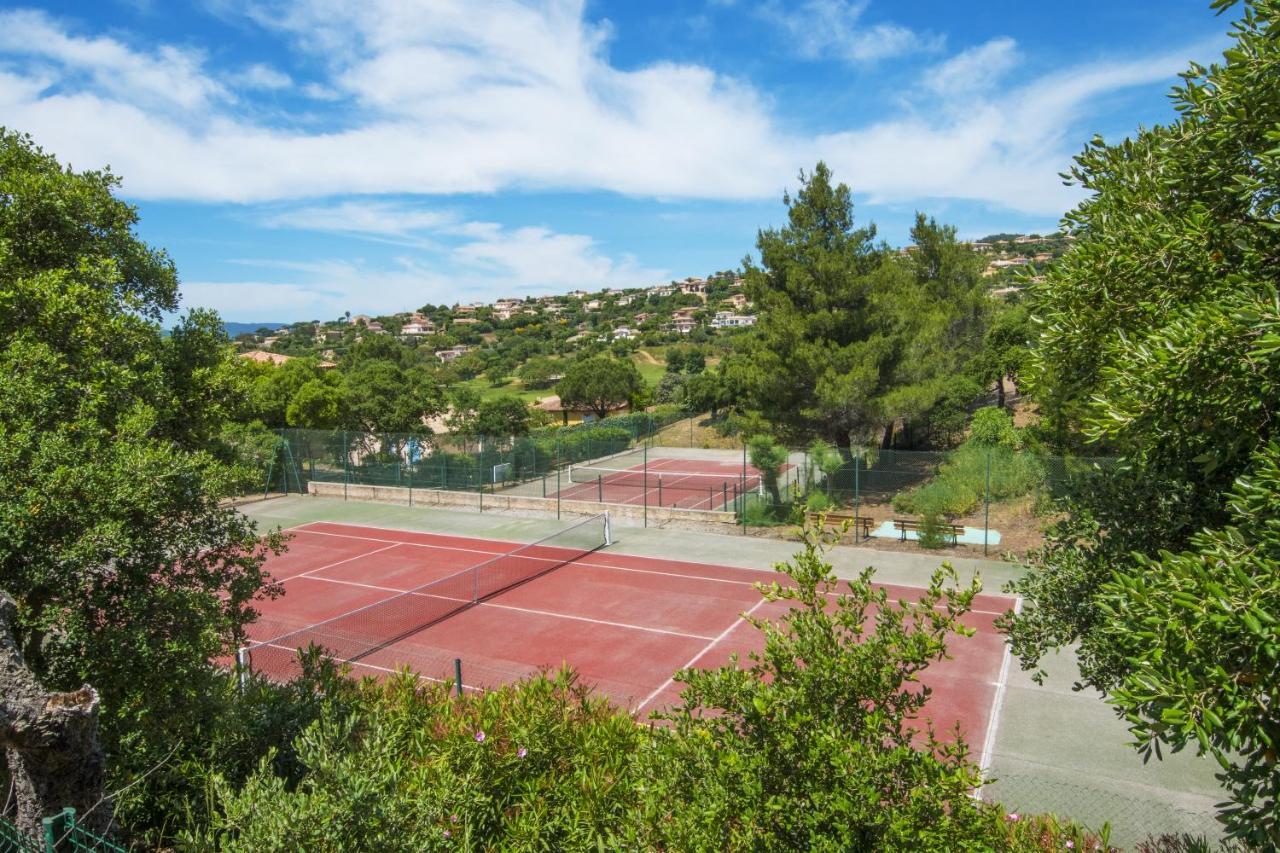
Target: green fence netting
{"type": "Point", "coordinates": [60, 833]}
{"type": "Point", "coordinates": [990, 497]}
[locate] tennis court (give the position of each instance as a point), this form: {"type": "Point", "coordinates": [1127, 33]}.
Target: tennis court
{"type": "Point", "coordinates": [665, 482]}
{"type": "Point", "coordinates": [625, 623]}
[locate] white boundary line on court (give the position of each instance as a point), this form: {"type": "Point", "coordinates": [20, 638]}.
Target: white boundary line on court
{"type": "Point", "coordinates": [742, 618]}
{"type": "Point", "coordinates": [413, 592]}
{"type": "Point", "coordinates": [587, 563]}
{"type": "Point", "coordinates": [387, 669]}
{"type": "Point", "coordinates": [997, 705]}
{"type": "Point", "coordinates": [340, 562]}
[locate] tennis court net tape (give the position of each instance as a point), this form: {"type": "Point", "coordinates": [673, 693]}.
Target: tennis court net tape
{"type": "Point", "coordinates": [700, 481]}
{"type": "Point", "coordinates": [360, 632]}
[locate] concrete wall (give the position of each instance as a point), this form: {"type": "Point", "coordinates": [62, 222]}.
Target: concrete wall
{"type": "Point", "coordinates": [517, 503]}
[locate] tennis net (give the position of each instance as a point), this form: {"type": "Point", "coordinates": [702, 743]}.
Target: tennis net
{"type": "Point", "coordinates": [354, 635]}
{"type": "Point", "coordinates": [699, 481]}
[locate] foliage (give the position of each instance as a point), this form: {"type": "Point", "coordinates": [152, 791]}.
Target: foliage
{"type": "Point", "coordinates": [503, 416]}
{"type": "Point", "coordinates": [811, 745]}
{"type": "Point", "coordinates": [1006, 348]}
{"type": "Point", "coordinates": [129, 573]}
{"type": "Point", "coordinates": [541, 765]}
{"type": "Point", "coordinates": [992, 426]}
{"type": "Point", "coordinates": [962, 481]}
{"type": "Point", "coordinates": [670, 388]}
{"type": "Point", "coordinates": [933, 531]}
{"type": "Point", "coordinates": [317, 405]}
{"type": "Point", "coordinates": [538, 372]}
{"type": "Point", "coordinates": [384, 397]}
{"type": "Point", "coordinates": [599, 384]}
{"type": "Point", "coordinates": [707, 392]}
{"type": "Point", "coordinates": [1202, 631]}
{"type": "Point", "coordinates": [851, 338]}
{"type": "Point", "coordinates": [1159, 339]}
{"type": "Point", "coordinates": [768, 457]}
{"type": "Point", "coordinates": [682, 359]}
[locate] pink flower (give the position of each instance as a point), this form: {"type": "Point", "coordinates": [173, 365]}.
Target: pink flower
{"type": "Point", "coordinates": [453, 818]}
{"type": "Point", "coordinates": [521, 752]}
{"type": "Point", "coordinates": [1012, 817]}
{"type": "Point", "coordinates": [1071, 845]}
{"type": "Point", "coordinates": [447, 834]}
{"type": "Point", "coordinates": [480, 736]}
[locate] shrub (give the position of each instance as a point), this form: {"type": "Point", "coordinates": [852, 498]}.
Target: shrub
{"type": "Point", "coordinates": [992, 426]}
{"type": "Point", "coordinates": [961, 482]}
{"type": "Point", "coordinates": [933, 532]}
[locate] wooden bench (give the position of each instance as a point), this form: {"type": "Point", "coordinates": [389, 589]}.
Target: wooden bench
{"type": "Point", "coordinates": [904, 526]}
{"type": "Point", "coordinates": [859, 523]}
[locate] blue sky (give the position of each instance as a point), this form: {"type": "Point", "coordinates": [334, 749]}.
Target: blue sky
{"type": "Point", "coordinates": [301, 159]}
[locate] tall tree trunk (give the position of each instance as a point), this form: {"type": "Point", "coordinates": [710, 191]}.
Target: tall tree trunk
{"type": "Point", "coordinates": [1000, 391]}
{"type": "Point", "coordinates": [886, 440]}
{"type": "Point", "coordinates": [50, 741]}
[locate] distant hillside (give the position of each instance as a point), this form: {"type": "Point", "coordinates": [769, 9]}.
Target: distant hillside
{"type": "Point", "coordinates": [234, 329]}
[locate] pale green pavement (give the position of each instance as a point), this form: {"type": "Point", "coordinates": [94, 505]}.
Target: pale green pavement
{"type": "Point", "coordinates": [1052, 749]}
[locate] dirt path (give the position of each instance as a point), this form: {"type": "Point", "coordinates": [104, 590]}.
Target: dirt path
{"type": "Point", "coordinates": [645, 355]}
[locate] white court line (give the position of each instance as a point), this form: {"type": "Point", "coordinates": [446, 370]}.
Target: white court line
{"type": "Point", "coordinates": [418, 592]}
{"type": "Point", "coordinates": [386, 669]}
{"type": "Point", "coordinates": [630, 569]}
{"type": "Point", "coordinates": [997, 705]}
{"type": "Point", "coordinates": [742, 618]}
{"type": "Point", "coordinates": [340, 562]}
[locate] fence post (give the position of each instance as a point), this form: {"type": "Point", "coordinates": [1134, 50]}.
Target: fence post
{"type": "Point", "coordinates": [857, 494]}
{"type": "Point", "coordinates": [412, 452]}
{"type": "Point", "coordinates": [242, 664]}
{"type": "Point", "coordinates": [457, 675]}
{"type": "Point", "coordinates": [986, 513]}
{"type": "Point", "coordinates": [744, 486]}
{"type": "Point", "coordinates": [557, 464]}
{"type": "Point", "coordinates": [644, 482]}
{"type": "Point", "coordinates": [346, 464]}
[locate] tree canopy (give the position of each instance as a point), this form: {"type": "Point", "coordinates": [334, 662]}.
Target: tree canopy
{"type": "Point", "coordinates": [599, 384]}
{"type": "Point", "coordinates": [1160, 341]}
{"type": "Point", "coordinates": [126, 571]}
{"type": "Point", "coordinates": [851, 338]}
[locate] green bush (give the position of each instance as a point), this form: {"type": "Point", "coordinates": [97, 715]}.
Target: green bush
{"type": "Point", "coordinates": [993, 426]}
{"type": "Point", "coordinates": [933, 532]}
{"type": "Point", "coordinates": [817, 501]}
{"type": "Point", "coordinates": [961, 482]}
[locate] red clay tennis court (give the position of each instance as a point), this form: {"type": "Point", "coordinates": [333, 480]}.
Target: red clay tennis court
{"type": "Point", "coordinates": [625, 623]}
{"type": "Point", "coordinates": [665, 482]}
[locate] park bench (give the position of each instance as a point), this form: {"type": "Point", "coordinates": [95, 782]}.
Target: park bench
{"type": "Point", "coordinates": [903, 526]}
{"type": "Point", "coordinates": [836, 519]}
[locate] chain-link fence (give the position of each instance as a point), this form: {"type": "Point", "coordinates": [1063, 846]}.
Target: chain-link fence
{"type": "Point", "coordinates": [1128, 815]}
{"type": "Point", "coordinates": [983, 499]}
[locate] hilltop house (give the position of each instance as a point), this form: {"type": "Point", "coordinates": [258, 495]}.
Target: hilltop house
{"type": "Point", "coordinates": [729, 320]}
{"type": "Point", "coordinates": [447, 355]}
{"type": "Point", "coordinates": [264, 357]}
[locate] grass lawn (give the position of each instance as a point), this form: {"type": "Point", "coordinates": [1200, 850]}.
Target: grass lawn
{"type": "Point", "coordinates": [649, 371]}
{"type": "Point", "coordinates": [487, 391]}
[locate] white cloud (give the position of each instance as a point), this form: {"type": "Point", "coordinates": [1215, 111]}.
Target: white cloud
{"type": "Point", "coordinates": [168, 76]}
{"type": "Point", "coordinates": [833, 28]}
{"type": "Point", "coordinates": [456, 261]}
{"type": "Point", "coordinates": [259, 76]}
{"type": "Point", "coordinates": [480, 96]}
{"type": "Point", "coordinates": [362, 218]}
{"type": "Point", "coordinates": [974, 71]}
